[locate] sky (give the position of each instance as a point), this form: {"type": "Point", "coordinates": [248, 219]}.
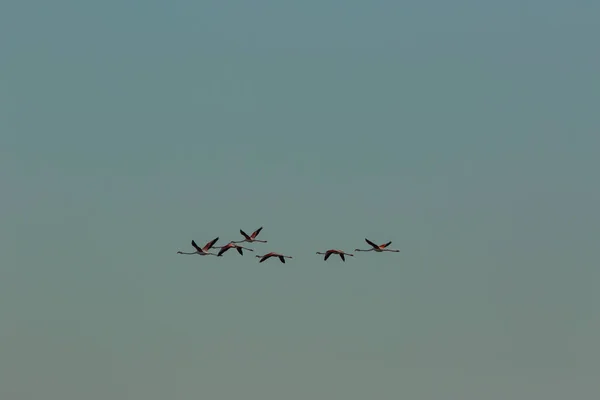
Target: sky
{"type": "Point", "coordinates": [465, 132]}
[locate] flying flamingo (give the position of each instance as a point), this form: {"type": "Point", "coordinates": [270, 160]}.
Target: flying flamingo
{"type": "Point", "coordinates": [252, 238]}
{"type": "Point", "coordinates": [266, 256]}
{"type": "Point", "coordinates": [203, 251]}
{"type": "Point", "coordinates": [334, 251]}
{"type": "Point", "coordinates": [231, 245]}
{"type": "Point", "coordinates": [379, 248]}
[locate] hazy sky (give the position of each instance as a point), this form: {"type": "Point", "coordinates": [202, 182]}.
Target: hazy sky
{"type": "Point", "coordinates": [466, 132]}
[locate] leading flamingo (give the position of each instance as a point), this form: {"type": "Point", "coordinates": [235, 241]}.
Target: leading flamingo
{"type": "Point", "coordinates": [202, 251]}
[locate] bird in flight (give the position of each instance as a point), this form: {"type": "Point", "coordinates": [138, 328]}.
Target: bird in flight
{"type": "Point", "coordinates": [272, 254]}
{"type": "Point", "coordinates": [203, 251]}
{"type": "Point", "coordinates": [231, 245]}
{"type": "Point", "coordinates": [378, 248]}
{"type": "Point", "coordinates": [334, 251]}
{"type": "Point", "coordinates": [252, 238]}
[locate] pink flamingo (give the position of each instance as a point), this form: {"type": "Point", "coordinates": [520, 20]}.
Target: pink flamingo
{"type": "Point", "coordinates": [252, 238]}
{"type": "Point", "coordinates": [378, 248]}
{"type": "Point", "coordinates": [334, 251]}
{"type": "Point", "coordinates": [272, 254]}
{"type": "Point", "coordinates": [202, 251]}
{"type": "Point", "coordinates": [231, 245]}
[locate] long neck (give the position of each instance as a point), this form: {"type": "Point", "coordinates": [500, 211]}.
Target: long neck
{"type": "Point", "coordinates": [181, 252]}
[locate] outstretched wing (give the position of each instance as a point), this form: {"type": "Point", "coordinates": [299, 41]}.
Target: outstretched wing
{"type": "Point", "coordinates": [343, 258]}
{"type": "Point", "coordinates": [371, 243]}
{"type": "Point", "coordinates": [244, 234]}
{"type": "Point", "coordinates": [327, 255]}
{"type": "Point", "coordinates": [239, 250]}
{"type": "Point", "coordinates": [210, 244]}
{"type": "Point", "coordinates": [223, 250]}
{"type": "Point", "coordinates": [383, 246]}
{"type": "Point", "coordinates": [196, 246]}
{"type": "Point", "coordinates": [256, 232]}
{"type": "Point", "coordinates": [282, 259]}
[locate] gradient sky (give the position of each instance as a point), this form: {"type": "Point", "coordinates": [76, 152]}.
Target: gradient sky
{"type": "Point", "coordinates": [466, 132]}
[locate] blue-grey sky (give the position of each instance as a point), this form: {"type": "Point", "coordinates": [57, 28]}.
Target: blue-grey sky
{"type": "Point", "coordinates": [465, 132]}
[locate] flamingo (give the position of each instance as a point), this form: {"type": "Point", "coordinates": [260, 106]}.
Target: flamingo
{"type": "Point", "coordinates": [272, 254]}
{"type": "Point", "coordinates": [231, 245]}
{"type": "Point", "coordinates": [203, 251]}
{"type": "Point", "coordinates": [380, 248]}
{"type": "Point", "coordinates": [252, 238]}
{"type": "Point", "coordinates": [334, 251]}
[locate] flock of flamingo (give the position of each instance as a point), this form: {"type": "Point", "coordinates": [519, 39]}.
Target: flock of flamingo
{"type": "Point", "coordinates": [205, 251]}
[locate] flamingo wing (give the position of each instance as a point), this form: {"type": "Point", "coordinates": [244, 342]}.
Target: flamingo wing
{"type": "Point", "coordinates": [327, 254]}
{"type": "Point", "coordinates": [210, 244]}
{"type": "Point", "coordinates": [383, 246]}
{"type": "Point", "coordinates": [196, 246]}
{"type": "Point", "coordinates": [244, 234]}
{"type": "Point", "coordinates": [371, 243]}
{"type": "Point", "coordinates": [239, 250]}
{"type": "Point", "coordinates": [256, 232]}
{"type": "Point", "coordinates": [282, 259]}
{"type": "Point", "coordinates": [343, 258]}
{"type": "Point", "coordinates": [223, 250]}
